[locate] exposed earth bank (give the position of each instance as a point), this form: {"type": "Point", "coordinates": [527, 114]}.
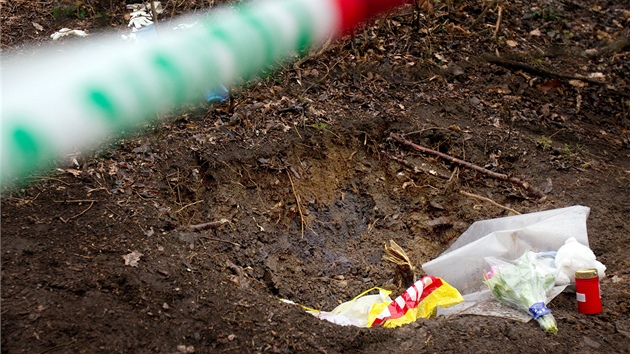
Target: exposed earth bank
{"type": "Point", "coordinates": [291, 189]}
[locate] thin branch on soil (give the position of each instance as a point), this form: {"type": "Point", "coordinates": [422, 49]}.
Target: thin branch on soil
{"type": "Point", "coordinates": [58, 347]}
{"type": "Point", "coordinates": [614, 47]}
{"type": "Point", "coordinates": [497, 27]}
{"type": "Point", "coordinates": [426, 130]}
{"type": "Point", "coordinates": [483, 14]}
{"type": "Point", "coordinates": [297, 201]}
{"type": "Point", "coordinates": [79, 214]}
{"type": "Point", "coordinates": [532, 191]}
{"type": "Point", "coordinates": [205, 225]}
{"type": "Point", "coordinates": [75, 201]}
{"type": "Point", "coordinates": [489, 201]}
{"type": "Point", "coordinates": [322, 50]}
{"type": "Point", "coordinates": [220, 240]}
{"type": "Point", "coordinates": [154, 13]}
{"type": "Point", "coordinates": [45, 178]}
{"type": "Point", "coordinates": [187, 205]}
{"type": "Point", "coordinates": [23, 200]}
{"type": "Point", "coordinates": [416, 168]}
{"type": "Point", "coordinates": [91, 190]}
{"type": "Point", "coordinates": [517, 65]}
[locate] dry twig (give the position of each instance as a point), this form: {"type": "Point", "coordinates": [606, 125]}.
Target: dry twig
{"type": "Point", "coordinates": [532, 191]}
{"type": "Point", "coordinates": [405, 271]}
{"type": "Point", "coordinates": [79, 214]}
{"type": "Point", "coordinates": [489, 201]}
{"type": "Point", "coordinates": [205, 226]}
{"type": "Point", "coordinates": [614, 47]}
{"type": "Point", "coordinates": [416, 168]}
{"type": "Point", "coordinates": [483, 13]}
{"type": "Point", "coordinates": [498, 25]}
{"type": "Point", "coordinates": [517, 65]}
{"type": "Point", "coordinates": [297, 201]}
{"type": "Point", "coordinates": [154, 14]}
{"type": "Point", "coordinates": [314, 55]}
{"type": "Point", "coordinates": [187, 205]}
{"type": "Point", "coordinates": [220, 240]}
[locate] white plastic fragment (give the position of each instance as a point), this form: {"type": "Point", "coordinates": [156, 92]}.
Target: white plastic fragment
{"type": "Point", "coordinates": [544, 233]}
{"type": "Point", "coordinates": [139, 19]}
{"type": "Point", "coordinates": [462, 265]}
{"type": "Point", "coordinates": [573, 256]}
{"type": "Point", "coordinates": [182, 26]}
{"type": "Point", "coordinates": [146, 7]}
{"type": "Point", "coordinates": [132, 258]}
{"type": "Point", "coordinates": [67, 32]}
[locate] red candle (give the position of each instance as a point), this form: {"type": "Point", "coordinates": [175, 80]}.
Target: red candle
{"type": "Point", "coordinates": [587, 291]}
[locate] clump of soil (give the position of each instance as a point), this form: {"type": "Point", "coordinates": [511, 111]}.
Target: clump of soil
{"type": "Point", "coordinates": [291, 190]}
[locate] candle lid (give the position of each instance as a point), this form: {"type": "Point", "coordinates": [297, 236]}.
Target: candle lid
{"type": "Point", "coordinates": [586, 273]}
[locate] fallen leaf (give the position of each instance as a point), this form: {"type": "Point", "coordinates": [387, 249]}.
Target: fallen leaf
{"type": "Point", "coordinates": [71, 171]}
{"type": "Point", "coordinates": [597, 76]}
{"type": "Point", "coordinates": [440, 57]}
{"type": "Point", "coordinates": [603, 36]}
{"type": "Point", "coordinates": [37, 26]}
{"type": "Point", "coordinates": [132, 258]}
{"type": "Point", "coordinates": [535, 33]}
{"type": "Point", "coordinates": [577, 83]}
{"type": "Point", "coordinates": [511, 43]}
{"type": "Point", "coordinates": [185, 348]}
{"type": "Point", "coordinates": [550, 85]}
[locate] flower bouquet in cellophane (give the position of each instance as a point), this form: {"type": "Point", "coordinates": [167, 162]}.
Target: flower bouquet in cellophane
{"type": "Point", "coordinates": [524, 286]}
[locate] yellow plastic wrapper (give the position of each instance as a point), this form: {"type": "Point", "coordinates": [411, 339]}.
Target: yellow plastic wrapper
{"type": "Point", "coordinates": [419, 301]}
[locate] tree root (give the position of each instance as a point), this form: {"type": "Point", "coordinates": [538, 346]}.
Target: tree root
{"type": "Point", "coordinates": [416, 168]}
{"type": "Point", "coordinates": [517, 65]}
{"type": "Point", "coordinates": [614, 47]}
{"type": "Point", "coordinates": [205, 225]}
{"type": "Point", "coordinates": [478, 197]}
{"type": "Point", "coordinates": [483, 14]}
{"type": "Point", "coordinates": [529, 189]}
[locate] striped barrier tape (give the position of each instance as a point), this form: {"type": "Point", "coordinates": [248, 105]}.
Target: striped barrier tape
{"type": "Point", "coordinates": [58, 103]}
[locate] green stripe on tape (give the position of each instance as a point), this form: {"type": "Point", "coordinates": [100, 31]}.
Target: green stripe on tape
{"type": "Point", "coordinates": [306, 27]}
{"type": "Point", "coordinates": [167, 66]}
{"type": "Point", "coordinates": [104, 103]}
{"type": "Point", "coordinates": [266, 33]}
{"type": "Point", "coordinates": [135, 85]}
{"type": "Point", "coordinates": [223, 36]}
{"type": "Point", "coordinates": [26, 150]}
{"type": "Point", "coordinates": [26, 146]}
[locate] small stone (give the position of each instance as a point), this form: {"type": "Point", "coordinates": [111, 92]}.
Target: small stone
{"type": "Point", "coordinates": [586, 341]}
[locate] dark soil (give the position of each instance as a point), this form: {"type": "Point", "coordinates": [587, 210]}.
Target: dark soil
{"type": "Point", "coordinates": [306, 186]}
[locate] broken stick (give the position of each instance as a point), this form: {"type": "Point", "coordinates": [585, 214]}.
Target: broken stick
{"type": "Point", "coordinates": [415, 168]}
{"type": "Point", "coordinates": [617, 46]}
{"type": "Point", "coordinates": [531, 191]}
{"type": "Point", "coordinates": [205, 225]}
{"type": "Point", "coordinates": [489, 201]}
{"type": "Point", "coordinates": [517, 65]}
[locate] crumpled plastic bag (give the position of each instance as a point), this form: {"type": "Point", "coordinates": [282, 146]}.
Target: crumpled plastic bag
{"type": "Point", "coordinates": [544, 233]}
{"type": "Point", "coordinates": [421, 300]}
{"type": "Point", "coordinates": [573, 256]}
{"type": "Point", "coordinates": [67, 32]}
{"type": "Point", "coordinates": [462, 264]}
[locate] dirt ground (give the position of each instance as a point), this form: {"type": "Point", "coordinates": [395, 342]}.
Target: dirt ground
{"type": "Point", "coordinates": [291, 189]}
